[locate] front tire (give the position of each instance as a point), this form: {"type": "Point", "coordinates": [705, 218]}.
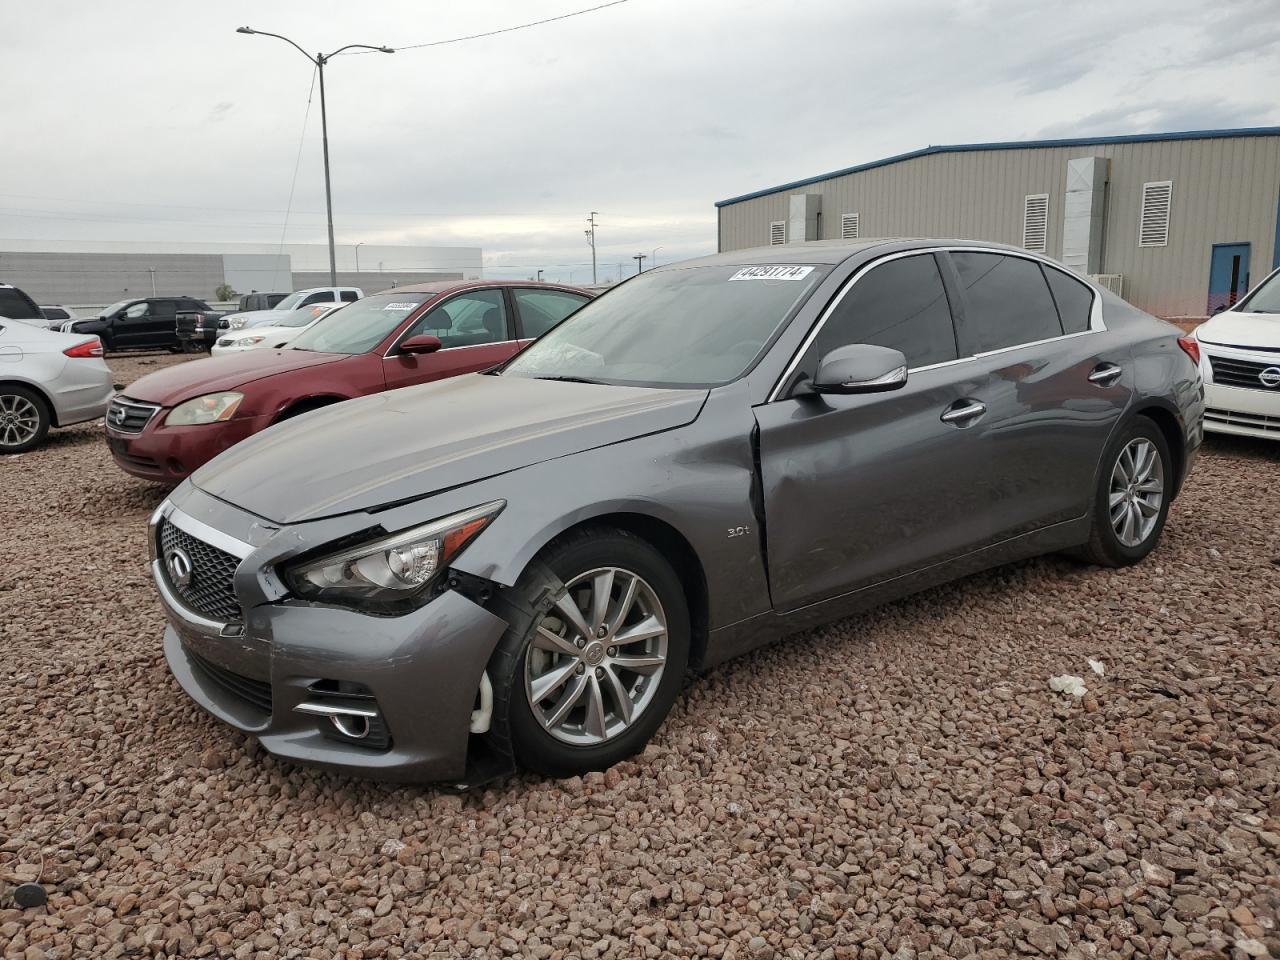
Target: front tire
{"type": "Point", "coordinates": [24, 419]}
{"type": "Point", "coordinates": [594, 656]}
{"type": "Point", "coordinates": [1135, 486]}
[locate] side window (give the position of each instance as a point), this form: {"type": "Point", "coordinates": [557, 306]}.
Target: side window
{"type": "Point", "coordinates": [164, 308]}
{"type": "Point", "coordinates": [1007, 301]}
{"type": "Point", "coordinates": [15, 305]}
{"type": "Point", "coordinates": [1074, 300]}
{"type": "Point", "coordinates": [540, 310]}
{"type": "Point", "coordinates": [136, 311]}
{"type": "Point", "coordinates": [323, 297]}
{"type": "Point", "coordinates": [349, 296]}
{"type": "Point", "coordinates": [467, 320]}
{"type": "Point", "coordinates": [900, 304]}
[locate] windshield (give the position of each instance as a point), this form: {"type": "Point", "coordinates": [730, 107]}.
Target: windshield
{"type": "Point", "coordinates": [291, 301]}
{"type": "Point", "coordinates": [1266, 299]}
{"type": "Point", "coordinates": [108, 311]}
{"type": "Point", "coordinates": [300, 318]}
{"type": "Point", "coordinates": [697, 326]}
{"type": "Point", "coordinates": [360, 326]}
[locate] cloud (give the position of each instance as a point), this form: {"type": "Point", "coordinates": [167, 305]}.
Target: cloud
{"type": "Point", "coordinates": [219, 111]}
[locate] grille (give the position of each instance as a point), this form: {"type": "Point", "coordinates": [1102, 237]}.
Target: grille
{"type": "Point", "coordinates": [256, 693]}
{"type": "Point", "coordinates": [1242, 373]}
{"type": "Point", "coordinates": [129, 416]}
{"type": "Point", "coordinates": [1234, 419]}
{"type": "Point", "coordinates": [210, 591]}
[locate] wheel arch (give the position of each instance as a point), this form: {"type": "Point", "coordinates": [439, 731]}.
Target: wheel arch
{"type": "Point", "coordinates": [38, 391]}
{"type": "Point", "coordinates": [1170, 426]}
{"type": "Point", "coordinates": [301, 405]}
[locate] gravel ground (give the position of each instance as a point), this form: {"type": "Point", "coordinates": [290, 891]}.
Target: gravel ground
{"type": "Point", "coordinates": [901, 784]}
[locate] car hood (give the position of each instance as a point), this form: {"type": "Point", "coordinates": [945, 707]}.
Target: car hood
{"type": "Point", "coordinates": [1241, 330]}
{"type": "Point", "coordinates": [267, 331]}
{"type": "Point", "coordinates": [186, 380]}
{"type": "Point", "coordinates": [407, 444]}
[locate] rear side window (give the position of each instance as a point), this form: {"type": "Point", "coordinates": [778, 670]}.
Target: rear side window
{"type": "Point", "coordinates": [324, 297]}
{"type": "Point", "coordinates": [164, 308]}
{"type": "Point", "coordinates": [55, 313]}
{"type": "Point", "coordinates": [1007, 301]}
{"type": "Point", "coordinates": [1074, 300]}
{"type": "Point", "coordinates": [540, 310]}
{"type": "Point", "coordinates": [900, 304]}
{"type": "Point", "coordinates": [349, 296]}
{"type": "Point", "coordinates": [15, 305]}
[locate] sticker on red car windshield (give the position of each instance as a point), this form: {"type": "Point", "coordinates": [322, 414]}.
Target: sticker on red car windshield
{"type": "Point", "coordinates": [399, 306]}
{"type": "Point", "coordinates": [772, 273]}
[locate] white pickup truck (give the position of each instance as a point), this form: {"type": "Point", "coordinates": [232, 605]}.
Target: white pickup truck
{"type": "Point", "coordinates": [295, 300]}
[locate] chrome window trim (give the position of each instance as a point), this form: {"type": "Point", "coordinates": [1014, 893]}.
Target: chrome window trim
{"type": "Point", "coordinates": [1096, 322]}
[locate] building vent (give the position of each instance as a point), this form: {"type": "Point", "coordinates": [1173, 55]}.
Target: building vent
{"type": "Point", "coordinates": [849, 226]}
{"type": "Point", "coordinates": [1153, 228]}
{"type": "Point", "coordinates": [1035, 222]}
{"type": "Point", "coordinates": [777, 232]}
{"type": "Point", "coordinates": [1110, 281]}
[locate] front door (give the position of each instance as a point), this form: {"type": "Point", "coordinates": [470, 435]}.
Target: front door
{"type": "Point", "coordinates": [1228, 275]}
{"type": "Point", "coordinates": [162, 324]}
{"type": "Point", "coordinates": [859, 489]}
{"type": "Point", "coordinates": [130, 326]}
{"type": "Point", "coordinates": [475, 332]}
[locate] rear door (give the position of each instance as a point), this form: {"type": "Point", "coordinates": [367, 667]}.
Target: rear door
{"type": "Point", "coordinates": [162, 323]}
{"type": "Point", "coordinates": [1053, 385]}
{"type": "Point", "coordinates": [859, 489]}
{"type": "Point", "coordinates": [475, 330]}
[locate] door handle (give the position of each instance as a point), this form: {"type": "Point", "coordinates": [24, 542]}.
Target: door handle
{"type": "Point", "coordinates": [1105, 374]}
{"type": "Point", "coordinates": [964, 412]}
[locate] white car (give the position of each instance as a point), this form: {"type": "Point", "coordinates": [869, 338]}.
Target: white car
{"type": "Point", "coordinates": [294, 301]}
{"type": "Point", "coordinates": [277, 335]}
{"type": "Point", "coordinates": [1240, 361]}
{"type": "Point", "coordinates": [50, 379]}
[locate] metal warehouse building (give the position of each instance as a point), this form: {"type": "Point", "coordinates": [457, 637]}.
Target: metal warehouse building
{"type": "Point", "coordinates": [86, 272]}
{"type": "Point", "coordinates": [1177, 223]}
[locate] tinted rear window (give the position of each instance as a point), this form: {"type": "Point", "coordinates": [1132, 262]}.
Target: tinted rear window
{"type": "Point", "coordinates": [1074, 299]}
{"type": "Point", "coordinates": [15, 305]}
{"type": "Point", "coordinates": [1007, 301]}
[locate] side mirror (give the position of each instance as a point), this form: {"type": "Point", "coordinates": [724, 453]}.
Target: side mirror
{"type": "Point", "coordinates": [860, 368]}
{"type": "Point", "coordinates": [422, 343]}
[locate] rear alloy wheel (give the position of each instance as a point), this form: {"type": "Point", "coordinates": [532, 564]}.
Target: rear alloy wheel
{"type": "Point", "coordinates": [24, 419]}
{"type": "Point", "coordinates": [1133, 496]}
{"type": "Point", "coordinates": [595, 655]}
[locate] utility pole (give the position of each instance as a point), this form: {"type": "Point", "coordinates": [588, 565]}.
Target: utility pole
{"type": "Point", "coordinates": [539, 276]}
{"type": "Point", "coordinates": [152, 271]}
{"type": "Point", "coordinates": [591, 239]}
{"type": "Point", "coordinates": [319, 60]}
{"type": "Point", "coordinates": [639, 258]}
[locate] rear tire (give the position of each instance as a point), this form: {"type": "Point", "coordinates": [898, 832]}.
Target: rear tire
{"type": "Point", "coordinates": [569, 700]}
{"type": "Point", "coordinates": [1135, 485]}
{"type": "Point", "coordinates": [24, 419]}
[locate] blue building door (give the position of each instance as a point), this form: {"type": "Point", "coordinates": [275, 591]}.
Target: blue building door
{"type": "Point", "coordinates": [1228, 275]}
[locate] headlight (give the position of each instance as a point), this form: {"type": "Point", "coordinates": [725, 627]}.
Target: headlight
{"type": "Point", "coordinates": [210, 408]}
{"type": "Point", "coordinates": [236, 323]}
{"type": "Point", "coordinates": [248, 341]}
{"type": "Point", "coordinates": [391, 570]}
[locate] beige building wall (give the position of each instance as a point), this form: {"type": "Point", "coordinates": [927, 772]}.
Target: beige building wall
{"type": "Point", "coordinates": [1225, 190]}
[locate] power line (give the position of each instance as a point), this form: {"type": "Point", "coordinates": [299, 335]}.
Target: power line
{"type": "Point", "coordinates": [494, 33]}
{"type": "Point", "coordinates": [297, 163]}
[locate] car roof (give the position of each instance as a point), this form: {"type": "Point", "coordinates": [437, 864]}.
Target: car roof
{"type": "Point", "coordinates": [446, 286]}
{"type": "Point", "coordinates": [822, 251]}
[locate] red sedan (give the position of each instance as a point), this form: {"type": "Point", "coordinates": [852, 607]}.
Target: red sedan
{"type": "Point", "coordinates": [168, 423]}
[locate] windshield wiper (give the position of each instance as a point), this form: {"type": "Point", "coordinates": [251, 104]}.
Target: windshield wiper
{"type": "Point", "coordinates": [569, 379]}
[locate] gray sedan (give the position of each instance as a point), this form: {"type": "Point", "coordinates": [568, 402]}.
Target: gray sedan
{"type": "Point", "coordinates": [518, 568]}
{"type": "Point", "coordinates": [47, 379]}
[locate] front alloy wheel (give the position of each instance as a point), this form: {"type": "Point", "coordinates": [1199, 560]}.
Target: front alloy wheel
{"type": "Point", "coordinates": [596, 659]}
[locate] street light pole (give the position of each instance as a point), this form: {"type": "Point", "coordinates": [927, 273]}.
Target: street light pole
{"type": "Point", "coordinates": [358, 246]}
{"type": "Point", "coordinates": [319, 60]}
{"type": "Point", "coordinates": [591, 239]}
{"type": "Point", "coordinates": [639, 259]}
{"type": "Point", "coordinates": [653, 259]}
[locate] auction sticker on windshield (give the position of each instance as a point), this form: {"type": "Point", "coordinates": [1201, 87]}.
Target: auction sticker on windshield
{"type": "Point", "coordinates": [772, 273]}
{"type": "Point", "coordinates": [399, 306]}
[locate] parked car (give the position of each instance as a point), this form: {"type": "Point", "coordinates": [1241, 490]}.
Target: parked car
{"type": "Point", "coordinates": [16, 305]}
{"type": "Point", "coordinates": [1240, 361]}
{"type": "Point", "coordinates": [143, 323]}
{"type": "Point", "coordinates": [170, 422]}
{"type": "Point", "coordinates": [259, 301]}
{"type": "Point", "coordinates": [47, 379]}
{"type": "Point", "coordinates": [197, 330]}
{"type": "Point", "coordinates": [56, 315]}
{"type": "Point", "coordinates": [434, 583]}
{"type": "Point", "coordinates": [276, 336]}
{"type": "Point", "coordinates": [295, 300]}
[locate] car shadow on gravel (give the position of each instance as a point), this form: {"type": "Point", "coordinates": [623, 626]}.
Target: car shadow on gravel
{"type": "Point", "coordinates": [1229, 445]}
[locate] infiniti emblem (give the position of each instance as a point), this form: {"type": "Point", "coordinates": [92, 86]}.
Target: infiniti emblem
{"type": "Point", "coordinates": [179, 564]}
{"type": "Point", "coordinates": [1270, 377]}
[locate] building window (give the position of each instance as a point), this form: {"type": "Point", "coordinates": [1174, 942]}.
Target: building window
{"type": "Point", "coordinates": [1153, 225]}
{"type": "Point", "coordinates": [777, 232]}
{"type": "Point", "coordinates": [849, 226]}
{"type": "Point", "coordinates": [1035, 222]}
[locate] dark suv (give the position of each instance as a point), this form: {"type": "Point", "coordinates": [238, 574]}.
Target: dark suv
{"type": "Point", "coordinates": [142, 324]}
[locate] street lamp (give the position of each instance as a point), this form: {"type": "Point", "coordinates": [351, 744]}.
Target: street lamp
{"type": "Point", "coordinates": [653, 259]}
{"type": "Point", "coordinates": [639, 258]}
{"type": "Point", "coordinates": [358, 246]}
{"type": "Point", "coordinates": [539, 277]}
{"type": "Point", "coordinates": [319, 60]}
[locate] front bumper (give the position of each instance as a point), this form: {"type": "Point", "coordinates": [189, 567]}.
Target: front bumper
{"type": "Point", "coordinates": [170, 454]}
{"type": "Point", "coordinates": [266, 674]}
{"type": "Point", "coordinates": [1243, 412]}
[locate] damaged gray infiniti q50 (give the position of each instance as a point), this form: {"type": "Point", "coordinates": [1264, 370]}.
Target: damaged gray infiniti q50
{"type": "Point", "coordinates": [518, 568]}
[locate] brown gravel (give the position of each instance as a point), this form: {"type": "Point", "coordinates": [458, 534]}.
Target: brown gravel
{"type": "Point", "coordinates": [902, 784]}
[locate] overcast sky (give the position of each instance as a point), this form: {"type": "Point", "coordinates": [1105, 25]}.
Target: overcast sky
{"type": "Point", "coordinates": [154, 120]}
